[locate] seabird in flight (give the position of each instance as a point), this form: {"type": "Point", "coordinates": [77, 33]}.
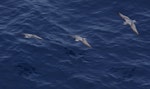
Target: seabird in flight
{"type": "Point", "coordinates": [130, 22]}
{"type": "Point", "coordinates": [83, 40]}
{"type": "Point", "coordinates": [27, 35]}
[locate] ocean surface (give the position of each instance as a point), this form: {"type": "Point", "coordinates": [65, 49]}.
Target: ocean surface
{"type": "Point", "coordinates": [118, 59]}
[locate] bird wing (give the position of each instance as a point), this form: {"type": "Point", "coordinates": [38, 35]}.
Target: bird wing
{"type": "Point", "coordinates": [133, 27]}
{"type": "Point", "coordinates": [124, 17]}
{"type": "Point", "coordinates": [84, 41]}
{"type": "Point", "coordinates": [38, 37]}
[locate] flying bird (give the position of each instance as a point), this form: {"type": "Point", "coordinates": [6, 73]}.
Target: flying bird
{"type": "Point", "coordinates": [83, 40]}
{"type": "Point", "coordinates": [129, 22]}
{"type": "Point", "coordinates": [27, 35]}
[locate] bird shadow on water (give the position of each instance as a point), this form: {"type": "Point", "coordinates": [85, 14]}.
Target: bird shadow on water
{"type": "Point", "coordinates": [123, 72]}
{"type": "Point", "coordinates": [25, 69]}
{"type": "Point", "coordinates": [29, 72]}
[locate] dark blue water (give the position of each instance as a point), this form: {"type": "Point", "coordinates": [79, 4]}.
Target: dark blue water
{"type": "Point", "coordinates": [119, 58]}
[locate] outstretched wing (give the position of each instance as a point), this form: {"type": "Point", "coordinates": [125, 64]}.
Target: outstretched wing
{"type": "Point", "coordinates": [84, 41]}
{"type": "Point", "coordinates": [124, 17]}
{"type": "Point", "coordinates": [133, 27]}
{"type": "Point", "coordinates": [35, 36]}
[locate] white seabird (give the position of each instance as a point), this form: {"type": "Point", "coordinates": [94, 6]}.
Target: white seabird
{"type": "Point", "coordinates": [27, 35]}
{"type": "Point", "coordinates": [83, 40]}
{"type": "Point", "coordinates": [130, 22]}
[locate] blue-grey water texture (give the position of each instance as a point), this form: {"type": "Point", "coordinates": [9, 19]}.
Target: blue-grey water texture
{"type": "Point", "coordinates": [118, 59]}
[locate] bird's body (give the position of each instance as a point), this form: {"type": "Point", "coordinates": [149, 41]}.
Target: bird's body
{"type": "Point", "coordinates": [129, 22]}
{"type": "Point", "coordinates": [83, 40]}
